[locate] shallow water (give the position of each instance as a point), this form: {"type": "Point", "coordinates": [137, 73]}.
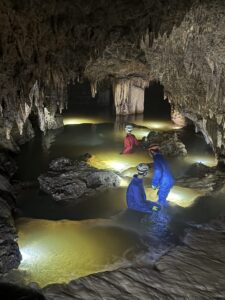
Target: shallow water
{"type": "Point", "coordinates": [58, 251]}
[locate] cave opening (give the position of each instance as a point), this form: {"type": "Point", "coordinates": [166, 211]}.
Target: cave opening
{"type": "Point", "coordinates": [155, 105]}
{"type": "Point", "coordinates": [81, 100]}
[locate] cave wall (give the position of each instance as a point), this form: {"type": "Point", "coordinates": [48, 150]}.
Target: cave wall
{"type": "Point", "coordinates": [188, 59]}
{"type": "Point", "coordinates": [190, 64]}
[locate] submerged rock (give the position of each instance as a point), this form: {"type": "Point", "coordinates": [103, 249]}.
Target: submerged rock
{"type": "Point", "coordinates": [202, 177]}
{"type": "Point", "coordinates": [67, 179]}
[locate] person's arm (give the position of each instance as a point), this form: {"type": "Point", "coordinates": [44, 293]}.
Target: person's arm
{"type": "Point", "coordinates": [157, 173]}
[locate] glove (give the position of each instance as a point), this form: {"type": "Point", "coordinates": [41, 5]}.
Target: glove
{"type": "Point", "coordinates": [154, 187]}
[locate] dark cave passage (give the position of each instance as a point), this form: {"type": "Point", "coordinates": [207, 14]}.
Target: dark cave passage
{"type": "Point", "coordinates": [155, 104]}
{"type": "Point", "coordinates": [80, 99]}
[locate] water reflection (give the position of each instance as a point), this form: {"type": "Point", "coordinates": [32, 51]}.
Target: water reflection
{"type": "Point", "coordinates": [206, 159]}
{"type": "Point", "coordinates": [58, 251]}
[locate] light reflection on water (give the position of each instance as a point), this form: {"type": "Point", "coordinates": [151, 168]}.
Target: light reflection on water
{"type": "Point", "coordinates": [58, 251]}
{"type": "Point", "coordinates": [208, 160]}
{"type": "Point", "coordinates": [122, 120]}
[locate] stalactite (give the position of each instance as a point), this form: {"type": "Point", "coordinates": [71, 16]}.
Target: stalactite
{"type": "Point", "coordinates": [93, 88]}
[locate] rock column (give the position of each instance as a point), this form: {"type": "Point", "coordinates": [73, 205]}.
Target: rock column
{"type": "Point", "coordinates": [129, 95]}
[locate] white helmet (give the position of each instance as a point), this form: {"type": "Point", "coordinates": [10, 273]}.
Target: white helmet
{"type": "Point", "coordinates": [142, 169]}
{"type": "Point", "coordinates": [129, 128]}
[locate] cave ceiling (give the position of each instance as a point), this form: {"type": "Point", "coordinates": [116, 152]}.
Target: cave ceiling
{"type": "Point", "coordinates": [55, 41]}
{"type": "Point", "coordinates": [44, 45]}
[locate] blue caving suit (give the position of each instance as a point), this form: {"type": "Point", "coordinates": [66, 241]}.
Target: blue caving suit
{"type": "Point", "coordinates": [162, 177]}
{"type": "Point", "coordinates": [136, 197]}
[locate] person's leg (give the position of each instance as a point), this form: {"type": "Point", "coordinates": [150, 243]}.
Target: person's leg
{"type": "Point", "coordinates": [163, 193]}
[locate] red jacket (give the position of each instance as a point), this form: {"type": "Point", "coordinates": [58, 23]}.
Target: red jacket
{"type": "Point", "coordinates": [129, 142]}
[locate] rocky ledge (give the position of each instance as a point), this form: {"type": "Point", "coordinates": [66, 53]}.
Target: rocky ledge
{"type": "Point", "coordinates": [69, 180]}
{"type": "Point", "coordinates": [170, 144]}
{"type": "Point", "coordinates": [202, 177]}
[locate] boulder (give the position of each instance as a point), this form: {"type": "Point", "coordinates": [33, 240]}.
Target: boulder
{"type": "Point", "coordinates": [10, 256]}
{"type": "Point", "coordinates": [67, 179]}
{"type": "Point", "coordinates": [170, 144]}
{"type": "Point", "coordinates": [203, 178]}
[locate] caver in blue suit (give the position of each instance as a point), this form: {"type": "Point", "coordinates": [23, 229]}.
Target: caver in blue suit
{"type": "Point", "coordinates": [162, 177]}
{"type": "Point", "coordinates": [136, 197]}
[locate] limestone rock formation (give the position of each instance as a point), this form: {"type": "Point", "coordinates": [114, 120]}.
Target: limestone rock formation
{"type": "Point", "coordinates": [188, 63]}
{"type": "Point", "coordinates": [179, 43]}
{"type": "Point", "coordinates": [129, 95]}
{"type": "Point", "coordinates": [170, 144]}
{"type": "Point", "coordinates": [69, 180]}
{"type": "Point", "coordinates": [202, 177]}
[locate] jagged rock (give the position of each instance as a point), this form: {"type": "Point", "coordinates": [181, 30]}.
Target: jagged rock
{"type": "Point", "coordinates": [9, 251]}
{"type": "Point", "coordinates": [199, 170]}
{"type": "Point", "coordinates": [7, 165]}
{"type": "Point", "coordinates": [67, 179]}
{"type": "Point", "coordinates": [170, 145]}
{"type": "Point", "coordinates": [10, 256]}
{"type": "Point", "coordinates": [202, 177]}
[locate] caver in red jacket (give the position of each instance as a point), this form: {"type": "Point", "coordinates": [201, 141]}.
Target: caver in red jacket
{"type": "Point", "coordinates": [129, 142]}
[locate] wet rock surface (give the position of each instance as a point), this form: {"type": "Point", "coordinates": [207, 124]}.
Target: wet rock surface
{"type": "Point", "coordinates": [170, 144]}
{"type": "Point", "coordinates": [202, 177]}
{"type": "Point", "coordinates": [9, 251]}
{"type": "Point", "coordinates": [69, 180]}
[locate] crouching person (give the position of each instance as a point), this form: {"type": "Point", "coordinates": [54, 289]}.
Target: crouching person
{"type": "Point", "coordinates": [136, 197]}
